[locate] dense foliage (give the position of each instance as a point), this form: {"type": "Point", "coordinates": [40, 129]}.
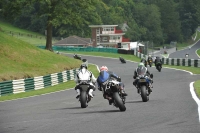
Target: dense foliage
{"type": "Point", "coordinates": [159, 21]}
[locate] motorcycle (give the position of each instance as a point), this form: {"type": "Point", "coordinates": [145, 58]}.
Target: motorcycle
{"type": "Point", "coordinates": [158, 66]}
{"type": "Point", "coordinates": [150, 61]}
{"type": "Point", "coordinates": [77, 57]}
{"type": "Point", "coordinates": [84, 97]}
{"type": "Point", "coordinates": [145, 62]}
{"type": "Point", "coordinates": [143, 84]}
{"type": "Point", "coordinates": [122, 60]}
{"type": "Point", "coordinates": [112, 88]}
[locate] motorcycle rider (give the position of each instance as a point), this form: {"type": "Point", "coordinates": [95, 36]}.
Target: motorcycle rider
{"type": "Point", "coordinates": [135, 76]}
{"type": "Point", "coordinates": [158, 60]}
{"type": "Point", "coordinates": [105, 75]}
{"type": "Point", "coordinates": [143, 60]}
{"type": "Point", "coordinates": [149, 59]}
{"type": "Point", "coordinates": [84, 74]}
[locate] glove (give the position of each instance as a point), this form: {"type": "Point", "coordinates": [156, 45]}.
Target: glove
{"type": "Point", "coordinates": [134, 77]}
{"type": "Point", "coordinates": [119, 79]}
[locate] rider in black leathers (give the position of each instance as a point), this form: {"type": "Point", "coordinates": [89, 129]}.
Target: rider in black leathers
{"type": "Point", "coordinates": [158, 60]}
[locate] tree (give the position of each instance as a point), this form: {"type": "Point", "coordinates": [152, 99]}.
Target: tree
{"type": "Point", "coordinates": [170, 21]}
{"type": "Point", "coordinates": [57, 12]}
{"type": "Point", "coordinates": [189, 15]}
{"type": "Point", "coordinates": [149, 18]}
{"type": "Point", "coordinates": [63, 12]}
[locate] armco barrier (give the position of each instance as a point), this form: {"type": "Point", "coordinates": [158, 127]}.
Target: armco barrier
{"type": "Point", "coordinates": [36, 83]}
{"type": "Point", "coordinates": [181, 62]}
{"type": "Point", "coordinates": [175, 61]}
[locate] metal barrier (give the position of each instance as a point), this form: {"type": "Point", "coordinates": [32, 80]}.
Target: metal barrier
{"type": "Point", "coordinates": [36, 83]}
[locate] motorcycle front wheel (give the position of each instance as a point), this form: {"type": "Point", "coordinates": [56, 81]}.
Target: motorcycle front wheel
{"type": "Point", "coordinates": [119, 101]}
{"type": "Point", "coordinates": [83, 99]}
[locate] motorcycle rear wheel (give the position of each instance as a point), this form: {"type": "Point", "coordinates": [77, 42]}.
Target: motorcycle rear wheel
{"type": "Point", "coordinates": [119, 101]}
{"type": "Point", "coordinates": [83, 99]}
{"type": "Point", "coordinates": [159, 68]}
{"type": "Point", "coordinates": [144, 94]}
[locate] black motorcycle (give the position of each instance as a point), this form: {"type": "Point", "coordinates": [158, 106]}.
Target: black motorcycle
{"type": "Point", "coordinates": [143, 84]}
{"type": "Point", "coordinates": [122, 60]}
{"type": "Point", "coordinates": [112, 88]}
{"type": "Point", "coordinates": [77, 57]}
{"type": "Point", "coordinates": [158, 66]}
{"type": "Point", "coordinates": [84, 97]}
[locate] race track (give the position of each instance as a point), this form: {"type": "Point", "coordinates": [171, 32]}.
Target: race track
{"type": "Point", "coordinates": [171, 108]}
{"type": "Point", "coordinates": [190, 51]}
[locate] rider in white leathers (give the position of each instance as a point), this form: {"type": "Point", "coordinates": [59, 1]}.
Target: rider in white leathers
{"type": "Point", "coordinates": [84, 74]}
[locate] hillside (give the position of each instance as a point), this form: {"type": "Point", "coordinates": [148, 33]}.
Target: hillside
{"type": "Point", "coordinates": [20, 59]}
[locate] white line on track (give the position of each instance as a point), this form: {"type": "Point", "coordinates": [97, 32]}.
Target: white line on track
{"type": "Point", "coordinates": [194, 96]}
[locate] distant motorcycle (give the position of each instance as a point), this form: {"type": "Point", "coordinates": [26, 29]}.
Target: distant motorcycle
{"type": "Point", "coordinates": [113, 90]}
{"type": "Point", "coordinates": [122, 60]}
{"type": "Point", "coordinates": [150, 62]}
{"type": "Point", "coordinates": [143, 85]}
{"type": "Point", "coordinates": [158, 66]}
{"type": "Point", "coordinates": [84, 97]}
{"type": "Point", "coordinates": [144, 61]}
{"type": "Point", "coordinates": [77, 57]}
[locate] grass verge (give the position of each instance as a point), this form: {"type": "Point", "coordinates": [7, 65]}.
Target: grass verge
{"type": "Point", "coordinates": [198, 52]}
{"type": "Point", "coordinates": [197, 88]}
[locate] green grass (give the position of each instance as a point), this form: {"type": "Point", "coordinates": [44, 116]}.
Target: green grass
{"type": "Point", "coordinates": [165, 55]}
{"type": "Point", "coordinates": [25, 35]}
{"type": "Point", "coordinates": [198, 52]}
{"type": "Point", "coordinates": [197, 87]}
{"type": "Point", "coordinates": [20, 59]}
{"type": "Point", "coordinates": [104, 54]}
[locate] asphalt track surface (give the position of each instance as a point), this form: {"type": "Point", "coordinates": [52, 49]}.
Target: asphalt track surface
{"type": "Point", "coordinates": [190, 51]}
{"type": "Point", "coordinates": [171, 108]}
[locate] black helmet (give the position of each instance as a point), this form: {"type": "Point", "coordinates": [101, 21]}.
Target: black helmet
{"type": "Point", "coordinates": [83, 66]}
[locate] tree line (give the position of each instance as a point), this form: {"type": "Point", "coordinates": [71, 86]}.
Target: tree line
{"type": "Point", "coordinates": [159, 21]}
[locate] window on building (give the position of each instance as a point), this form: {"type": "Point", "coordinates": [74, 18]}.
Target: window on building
{"type": "Point", "coordinates": [104, 39]}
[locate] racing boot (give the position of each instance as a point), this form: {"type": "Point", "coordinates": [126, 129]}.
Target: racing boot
{"type": "Point", "coordinates": [90, 93]}
{"type": "Point", "coordinates": [123, 91]}
{"type": "Point", "coordinates": [109, 99]}
{"type": "Point", "coordinates": [78, 93]}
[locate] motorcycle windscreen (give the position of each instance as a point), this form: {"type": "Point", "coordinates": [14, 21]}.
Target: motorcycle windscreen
{"type": "Point", "coordinates": [141, 70]}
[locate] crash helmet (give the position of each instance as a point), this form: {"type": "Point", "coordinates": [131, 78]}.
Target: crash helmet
{"type": "Point", "coordinates": [103, 68]}
{"type": "Point", "coordinates": [83, 66]}
{"type": "Point", "coordinates": [157, 57]}
{"type": "Point", "coordinates": [140, 64]}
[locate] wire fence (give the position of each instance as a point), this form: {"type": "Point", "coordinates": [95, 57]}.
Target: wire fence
{"type": "Point", "coordinates": [28, 36]}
